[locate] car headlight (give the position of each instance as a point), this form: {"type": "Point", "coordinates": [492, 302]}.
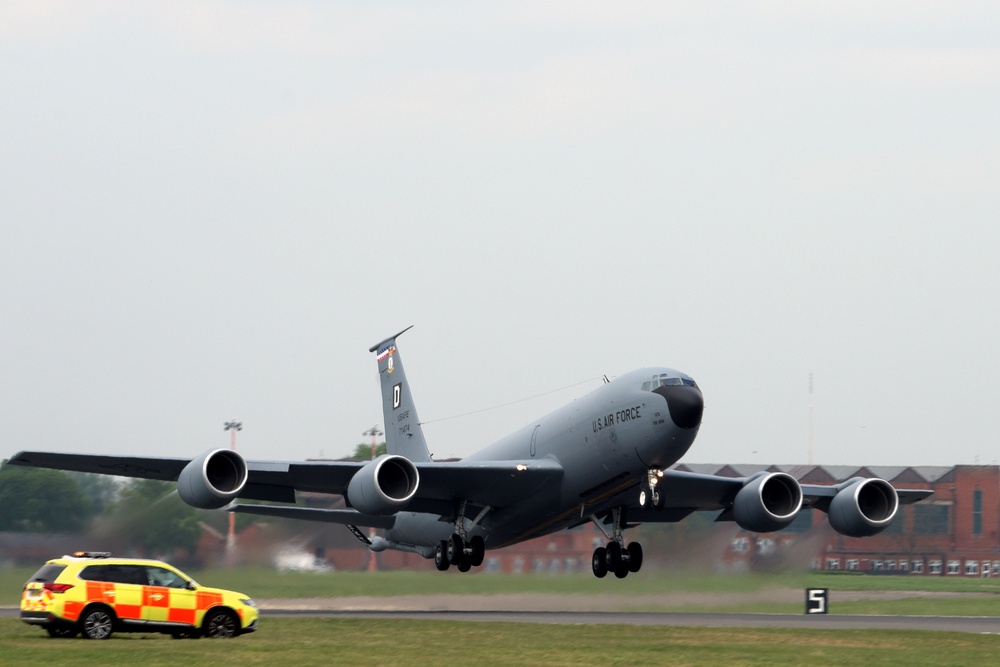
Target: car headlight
{"type": "Point", "coordinates": [248, 602]}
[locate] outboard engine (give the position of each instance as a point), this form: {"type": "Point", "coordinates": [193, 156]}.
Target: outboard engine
{"type": "Point", "coordinates": [383, 486]}
{"type": "Point", "coordinates": [863, 507]}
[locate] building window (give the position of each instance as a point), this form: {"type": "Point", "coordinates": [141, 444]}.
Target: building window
{"type": "Point", "coordinates": [977, 512]}
{"type": "Point", "coordinates": [918, 567]}
{"type": "Point", "coordinates": [876, 566]}
{"type": "Point", "coordinates": [853, 565]}
{"type": "Point", "coordinates": [890, 566]}
{"type": "Point", "coordinates": [904, 565]}
{"type": "Point", "coordinates": [972, 568]}
{"type": "Point", "coordinates": [930, 519]}
{"type": "Point", "coordinates": [986, 568]}
{"type": "Point", "coordinates": [832, 563]}
{"type": "Point", "coordinates": [935, 566]}
{"type": "Point", "coordinates": [954, 566]}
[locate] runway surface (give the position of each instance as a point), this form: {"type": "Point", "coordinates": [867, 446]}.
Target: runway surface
{"type": "Point", "coordinates": [977, 624]}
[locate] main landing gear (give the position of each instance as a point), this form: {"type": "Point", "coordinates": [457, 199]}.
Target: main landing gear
{"type": "Point", "coordinates": [616, 557]}
{"type": "Point", "coordinates": [463, 555]}
{"type": "Point", "coordinates": [461, 551]}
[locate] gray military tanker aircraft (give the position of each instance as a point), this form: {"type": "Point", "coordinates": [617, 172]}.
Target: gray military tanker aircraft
{"type": "Point", "coordinates": [603, 458]}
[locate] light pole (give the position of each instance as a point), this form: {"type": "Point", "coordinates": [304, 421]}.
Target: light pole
{"type": "Point", "coordinates": [232, 426]}
{"type": "Point", "coordinates": [374, 432]}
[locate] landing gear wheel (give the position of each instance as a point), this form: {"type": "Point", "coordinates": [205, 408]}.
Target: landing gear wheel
{"type": "Point", "coordinates": [645, 498]}
{"type": "Point", "coordinates": [614, 558]}
{"type": "Point", "coordinates": [97, 623]}
{"type": "Point", "coordinates": [464, 564]}
{"type": "Point", "coordinates": [456, 547]}
{"type": "Point", "coordinates": [441, 561]}
{"type": "Point", "coordinates": [622, 571]}
{"type": "Point", "coordinates": [478, 550]}
{"type": "Point", "coordinates": [220, 623]}
{"type": "Point", "coordinates": [658, 499]}
{"type": "Point", "coordinates": [599, 562]}
{"type": "Point", "coordinates": [634, 552]}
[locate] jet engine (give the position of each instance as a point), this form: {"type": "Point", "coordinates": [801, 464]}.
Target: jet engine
{"type": "Point", "coordinates": [383, 486]}
{"type": "Point", "coordinates": [767, 502]}
{"type": "Point", "coordinates": [863, 507]}
{"type": "Point", "coordinates": [213, 479]}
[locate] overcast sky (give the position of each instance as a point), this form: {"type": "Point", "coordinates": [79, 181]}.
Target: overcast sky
{"type": "Point", "coordinates": [210, 210]}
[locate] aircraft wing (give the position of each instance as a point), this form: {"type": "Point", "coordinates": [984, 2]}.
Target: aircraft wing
{"type": "Point", "coordinates": [492, 483]}
{"type": "Point", "coordinates": [687, 492]}
{"type": "Point", "coordinates": [165, 469]}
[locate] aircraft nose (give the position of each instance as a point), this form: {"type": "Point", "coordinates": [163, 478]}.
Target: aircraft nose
{"type": "Point", "coordinates": [685, 404]}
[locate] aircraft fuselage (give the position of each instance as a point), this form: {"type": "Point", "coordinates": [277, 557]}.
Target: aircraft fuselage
{"type": "Point", "coordinates": [605, 441]}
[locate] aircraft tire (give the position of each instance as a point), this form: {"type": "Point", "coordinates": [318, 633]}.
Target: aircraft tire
{"type": "Point", "coordinates": [599, 562]}
{"type": "Point", "coordinates": [658, 499]}
{"type": "Point", "coordinates": [614, 556]}
{"type": "Point", "coordinates": [644, 498]}
{"type": "Point", "coordinates": [622, 571]}
{"type": "Point", "coordinates": [441, 561]}
{"type": "Point", "coordinates": [455, 548]}
{"type": "Point", "coordinates": [464, 564]}
{"type": "Point", "coordinates": [478, 550]}
{"type": "Point", "coordinates": [634, 551]}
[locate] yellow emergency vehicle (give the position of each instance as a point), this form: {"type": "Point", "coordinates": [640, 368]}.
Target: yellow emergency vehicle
{"type": "Point", "coordinates": [93, 594]}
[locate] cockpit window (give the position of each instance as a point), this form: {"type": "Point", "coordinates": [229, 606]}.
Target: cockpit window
{"type": "Point", "coordinates": [664, 380]}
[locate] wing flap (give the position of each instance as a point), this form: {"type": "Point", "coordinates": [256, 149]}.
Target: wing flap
{"type": "Point", "coordinates": [344, 517]}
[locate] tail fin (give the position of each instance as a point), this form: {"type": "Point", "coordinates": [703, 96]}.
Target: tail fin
{"type": "Point", "coordinates": [403, 434]}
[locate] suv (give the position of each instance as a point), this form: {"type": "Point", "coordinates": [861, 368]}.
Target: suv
{"type": "Point", "coordinates": [94, 594]}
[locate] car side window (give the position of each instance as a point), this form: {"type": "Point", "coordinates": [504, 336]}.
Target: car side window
{"type": "Point", "coordinates": [132, 574]}
{"type": "Point", "coordinates": [160, 576]}
{"type": "Point", "coordinates": [97, 573]}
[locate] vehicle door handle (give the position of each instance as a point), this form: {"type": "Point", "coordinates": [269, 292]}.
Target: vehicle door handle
{"type": "Point", "coordinates": [156, 596]}
{"type": "Point", "coordinates": [110, 594]}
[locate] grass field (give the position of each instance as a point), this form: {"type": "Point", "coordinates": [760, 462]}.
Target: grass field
{"type": "Point", "coordinates": [316, 641]}
{"type": "Point", "coordinates": [652, 590]}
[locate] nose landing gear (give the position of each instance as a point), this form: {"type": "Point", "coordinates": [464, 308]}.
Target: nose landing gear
{"type": "Point", "coordinates": [650, 493]}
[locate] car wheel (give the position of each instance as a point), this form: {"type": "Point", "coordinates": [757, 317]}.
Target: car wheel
{"type": "Point", "coordinates": [97, 623]}
{"type": "Point", "coordinates": [221, 623]}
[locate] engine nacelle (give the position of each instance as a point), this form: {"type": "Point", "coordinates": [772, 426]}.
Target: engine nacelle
{"type": "Point", "coordinates": [213, 479]}
{"type": "Point", "coordinates": [863, 507]}
{"type": "Point", "coordinates": [768, 502]}
{"type": "Point", "coordinates": [383, 486]}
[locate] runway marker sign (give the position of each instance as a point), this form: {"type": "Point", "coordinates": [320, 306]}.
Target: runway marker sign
{"type": "Point", "coordinates": [816, 600]}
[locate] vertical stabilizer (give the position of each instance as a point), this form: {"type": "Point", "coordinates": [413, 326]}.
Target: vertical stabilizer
{"type": "Point", "coordinates": [403, 434]}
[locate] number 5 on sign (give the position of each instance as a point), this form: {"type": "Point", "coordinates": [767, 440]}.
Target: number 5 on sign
{"type": "Point", "coordinates": [816, 600]}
